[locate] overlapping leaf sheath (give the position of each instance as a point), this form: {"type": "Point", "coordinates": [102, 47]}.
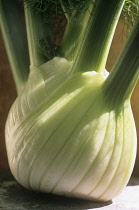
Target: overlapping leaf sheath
{"type": "Point", "coordinates": [70, 142]}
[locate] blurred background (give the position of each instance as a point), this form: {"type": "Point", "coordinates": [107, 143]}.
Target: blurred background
{"type": "Point", "coordinates": [8, 91]}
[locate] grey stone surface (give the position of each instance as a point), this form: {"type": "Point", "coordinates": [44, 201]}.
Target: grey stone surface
{"type": "Point", "coordinates": [15, 197]}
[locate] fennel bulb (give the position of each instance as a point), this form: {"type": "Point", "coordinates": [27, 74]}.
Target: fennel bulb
{"type": "Point", "coordinates": [70, 143]}
{"type": "Point", "coordinates": [71, 130]}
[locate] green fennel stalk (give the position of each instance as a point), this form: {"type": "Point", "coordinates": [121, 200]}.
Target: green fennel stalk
{"type": "Point", "coordinates": [15, 42]}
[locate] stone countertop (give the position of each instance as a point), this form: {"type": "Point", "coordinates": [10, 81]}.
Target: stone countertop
{"type": "Point", "coordinates": [15, 197]}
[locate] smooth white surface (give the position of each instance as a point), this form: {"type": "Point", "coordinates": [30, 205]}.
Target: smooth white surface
{"type": "Point", "coordinates": [127, 199]}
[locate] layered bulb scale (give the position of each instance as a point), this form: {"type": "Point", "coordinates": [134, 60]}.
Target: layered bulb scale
{"type": "Point", "coordinates": [63, 137]}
